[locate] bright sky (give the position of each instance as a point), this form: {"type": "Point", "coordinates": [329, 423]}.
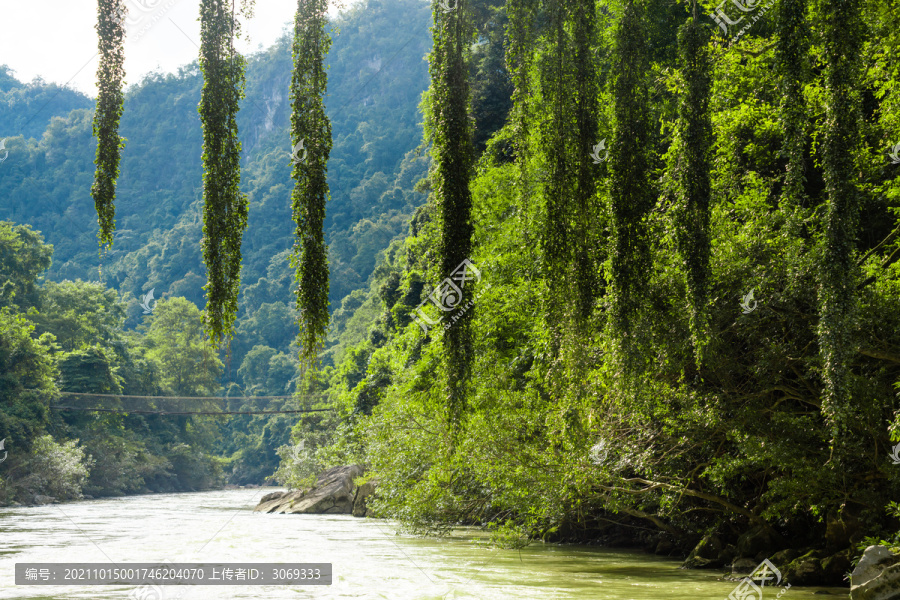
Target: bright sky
{"type": "Point", "coordinates": [56, 39]}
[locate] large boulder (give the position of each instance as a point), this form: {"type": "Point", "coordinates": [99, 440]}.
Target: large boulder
{"type": "Point", "coordinates": [805, 570]}
{"type": "Point", "coordinates": [333, 493]}
{"type": "Point", "coordinates": [877, 576]}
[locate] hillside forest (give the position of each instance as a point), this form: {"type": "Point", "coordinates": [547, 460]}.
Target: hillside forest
{"type": "Point", "coordinates": [620, 271]}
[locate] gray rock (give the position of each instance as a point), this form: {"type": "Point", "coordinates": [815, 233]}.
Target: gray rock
{"type": "Point", "coordinates": [333, 493]}
{"type": "Point", "coordinates": [780, 559]}
{"type": "Point", "coordinates": [285, 499]}
{"type": "Point", "coordinates": [743, 567]}
{"type": "Point", "coordinates": [877, 576]}
{"type": "Point", "coordinates": [271, 496]}
{"type": "Point", "coordinates": [362, 495]}
{"type": "Point", "coordinates": [44, 499]}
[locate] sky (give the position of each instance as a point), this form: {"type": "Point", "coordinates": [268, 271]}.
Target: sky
{"type": "Point", "coordinates": [56, 39]}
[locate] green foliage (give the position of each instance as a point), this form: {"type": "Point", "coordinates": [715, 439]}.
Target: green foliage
{"type": "Point", "coordinates": [791, 50]}
{"type": "Point", "coordinates": [27, 381]}
{"type": "Point", "coordinates": [225, 207]}
{"type": "Point", "coordinates": [311, 131]}
{"type": "Point", "coordinates": [79, 313]}
{"type": "Point", "coordinates": [838, 269]}
{"type": "Point", "coordinates": [452, 152]}
{"type": "Point", "coordinates": [694, 137]}
{"type": "Point", "coordinates": [56, 469]}
{"type": "Point", "coordinates": [31, 107]}
{"type": "Point", "coordinates": [23, 258]}
{"type": "Point", "coordinates": [175, 339]}
{"type": "Point", "coordinates": [375, 81]}
{"type": "Point", "coordinates": [629, 164]}
{"type": "Point", "coordinates": [111, 15]}
{"type": "Point", "coordinates": [88, 370]}
{"type": "Point", "coordinates": [716, 183]}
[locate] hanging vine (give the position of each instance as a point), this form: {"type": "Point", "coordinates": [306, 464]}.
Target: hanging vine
{"type": "Point", "coordinates": [556, 134]}
{"type": "Point", "coordinates": [837, 286]}
{"type": "Point", "coordinates": [629, 170]}
{"type": "Point", "coordinates": [694, 134]}
{"type": "Point", "coordinates": [311, 136]}
{"type": "Point", "coordinates": [453, 155]}
{"type": "Point", "coordinates": [519, 58]}
{"type": "Point", "coordinates": [587, 106]}
{"type": "Point", "coordinates": [110, 98]}
{"type": "Point", "coordinates": [225, 207]}
{"type": "Point", "coordinates": [791, 49]}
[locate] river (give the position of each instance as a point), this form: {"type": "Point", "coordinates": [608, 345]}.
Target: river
{"type": "Point", "coordinates": [369, 560]}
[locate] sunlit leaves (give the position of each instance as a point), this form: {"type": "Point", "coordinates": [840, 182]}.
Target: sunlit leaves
{"type": "Point", "coordinates": [110, 79]}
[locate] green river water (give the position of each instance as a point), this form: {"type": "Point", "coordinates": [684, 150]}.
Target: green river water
{"type": "Point", "coordinates": [369, 560]}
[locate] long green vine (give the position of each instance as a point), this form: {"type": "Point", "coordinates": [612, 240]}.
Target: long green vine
{"type": "Point", "coordinates": [311, 136]}
{"type": "Point", "coordinates": [225, 207]}
{"type": "Point", "coordinates": [110, 98]}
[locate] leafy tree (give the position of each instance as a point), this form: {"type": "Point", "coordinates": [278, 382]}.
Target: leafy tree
{"type": "Point", "coordinates": [174, 335]}
{"type": "Point", "coordinates": [23, 258]}
{"type": "Point", "coordinates": [80, 313]}
{"type": "Point", "coordinates": [27, 381]}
